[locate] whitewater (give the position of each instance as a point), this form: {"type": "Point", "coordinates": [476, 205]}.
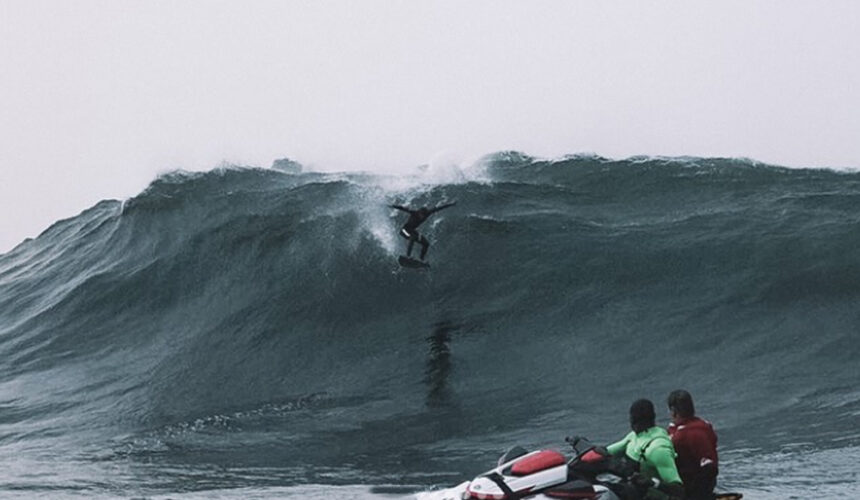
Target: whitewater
{"type": "Point", "coordinates": [248, 333]}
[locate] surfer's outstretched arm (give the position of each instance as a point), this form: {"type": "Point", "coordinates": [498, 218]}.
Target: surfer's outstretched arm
{"type": "Point", "coordinates": [402, 208]}
{"type": "Point", "coordinates": [441, 207]}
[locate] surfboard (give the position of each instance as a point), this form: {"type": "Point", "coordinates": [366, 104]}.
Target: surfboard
{"type": "Point", "coordinates": [413, 263]}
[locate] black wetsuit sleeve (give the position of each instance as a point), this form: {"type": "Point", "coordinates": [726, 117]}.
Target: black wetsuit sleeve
{"type": "Point", "coordinates": [441, 207]}
{"type": "Point", "coordinates": [399, 207]}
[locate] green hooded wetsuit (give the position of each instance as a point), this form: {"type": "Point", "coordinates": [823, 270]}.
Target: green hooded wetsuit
{"type": "Point", "coordinates": [653, 450]}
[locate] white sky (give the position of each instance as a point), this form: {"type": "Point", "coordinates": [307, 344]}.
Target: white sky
{"type": "Point", "coordinates": [97, 97]}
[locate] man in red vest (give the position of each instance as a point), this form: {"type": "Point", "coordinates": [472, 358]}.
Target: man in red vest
{"type": "Point", "coordinates": [695, 442]}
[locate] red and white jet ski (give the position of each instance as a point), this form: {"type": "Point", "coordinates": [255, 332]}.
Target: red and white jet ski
{"type": "Point", "coordinates": [539, 475]}
{"type": "Point", "coordinates": [548, 475]}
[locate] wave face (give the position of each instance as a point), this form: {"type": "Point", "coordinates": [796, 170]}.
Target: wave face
{"type": "Point", "coordinates": [247, 328]}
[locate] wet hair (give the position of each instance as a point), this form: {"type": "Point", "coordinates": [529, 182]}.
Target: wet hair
{"type": "Point", "coordinates": [681, 403]}
{"type": "Point", "coordinates": [642, 415]}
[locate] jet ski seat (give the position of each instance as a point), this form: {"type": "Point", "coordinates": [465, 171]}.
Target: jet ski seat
{"type": "Point", "coordinates": [537, 462]}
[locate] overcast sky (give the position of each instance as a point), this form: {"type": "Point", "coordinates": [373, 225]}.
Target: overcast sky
{"type": "Point", "coordinates": [98, 97]}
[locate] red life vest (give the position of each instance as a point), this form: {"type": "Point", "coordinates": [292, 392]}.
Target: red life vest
{"type": "Point", "coordinates": [695, 443]}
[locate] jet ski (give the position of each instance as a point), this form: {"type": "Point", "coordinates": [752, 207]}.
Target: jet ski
{"type": "Point", "coordinates": [547, 475]}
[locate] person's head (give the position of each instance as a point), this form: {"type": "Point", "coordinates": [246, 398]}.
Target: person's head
{"type": "Point", "coordinates": [424, 211]}
{"type": "Point", "coordinates": [642, 415]}
{"type": "Point", "coordinates": [680, 405]}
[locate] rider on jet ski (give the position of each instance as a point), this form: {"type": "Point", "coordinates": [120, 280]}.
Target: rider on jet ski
{"type": "Point", "coordinates": [696, 445]}
{"type": "Point", "coordinates": [651, 447]}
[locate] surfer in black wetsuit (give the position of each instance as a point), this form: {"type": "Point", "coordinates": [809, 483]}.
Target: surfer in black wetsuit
{"type": "Point", "coordinates": [416, 218]}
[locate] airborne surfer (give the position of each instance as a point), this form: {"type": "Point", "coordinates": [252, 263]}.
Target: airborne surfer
{"type": "Point", "coordinates": [410, 228]}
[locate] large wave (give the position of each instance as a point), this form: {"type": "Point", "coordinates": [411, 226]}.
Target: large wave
{"type": "Point", "coordinates": [256, 317]}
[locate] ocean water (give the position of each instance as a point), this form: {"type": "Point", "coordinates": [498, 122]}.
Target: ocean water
{"type": "Point", "coordinates": [248, 333]}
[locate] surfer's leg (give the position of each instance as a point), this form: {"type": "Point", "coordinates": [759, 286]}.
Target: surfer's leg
{"type": "Point", "coordinates": [411, 237]}
{"type": "Point", "coordinates": [424, 246]}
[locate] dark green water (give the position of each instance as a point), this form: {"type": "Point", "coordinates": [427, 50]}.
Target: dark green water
{"type": "Point", "coordinates": [248, 333]}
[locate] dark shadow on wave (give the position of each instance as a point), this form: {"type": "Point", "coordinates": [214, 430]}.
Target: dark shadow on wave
{"type": "Point", "coordinates": [439, 365]}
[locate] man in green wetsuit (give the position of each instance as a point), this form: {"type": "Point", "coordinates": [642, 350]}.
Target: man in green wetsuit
{"type": "Point", "coordinates": [651, 447]}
